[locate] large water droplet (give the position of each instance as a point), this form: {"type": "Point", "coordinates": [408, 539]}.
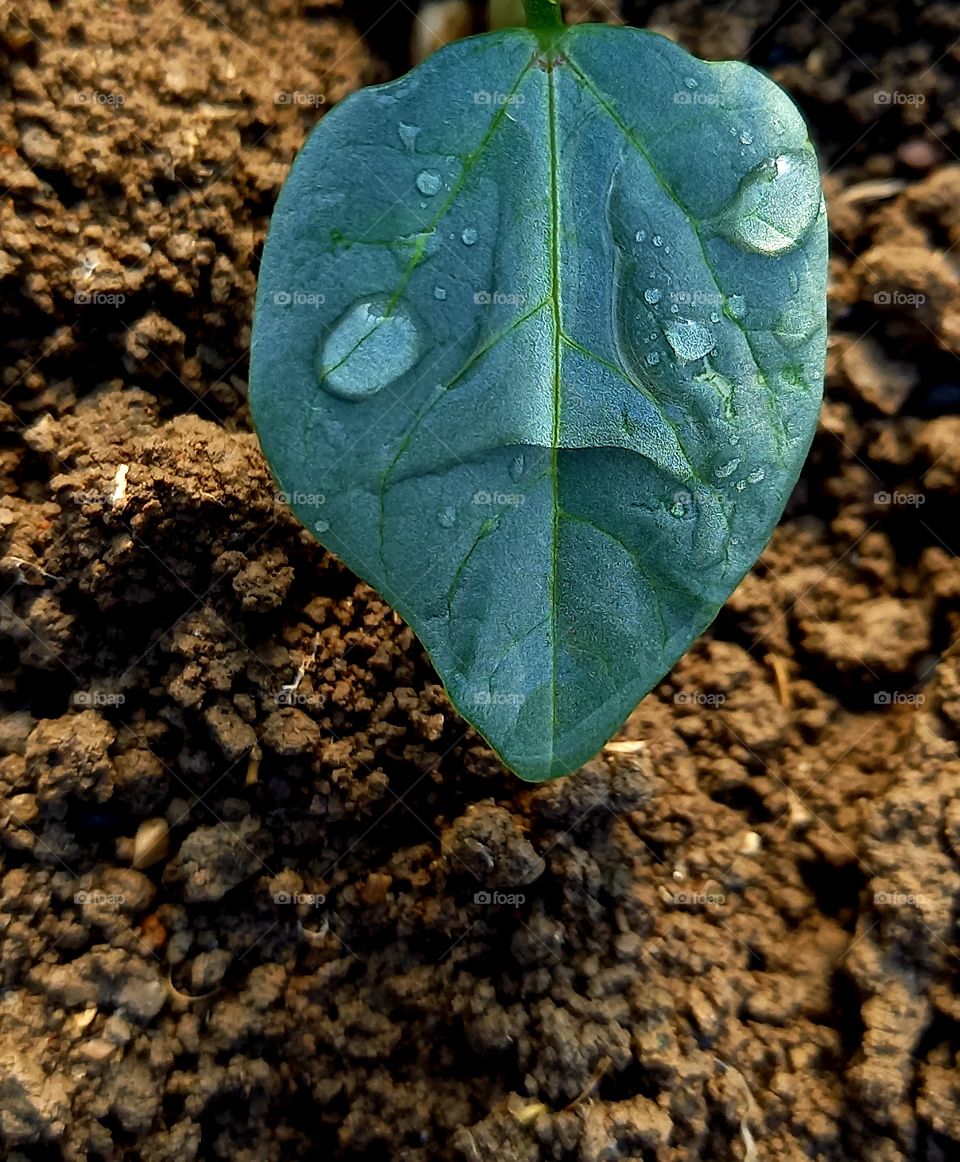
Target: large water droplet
{"type": "Point", "coordinates": [369, 347]}
{"type": "Point", "coordinates": [652, 295]}
{"type": "Point", "coordinates": [775, 205]}
{"type": "Point", "coordinates": [469, 236]}
{"type": "Point", "coordinates": [408, 135]}
{"type": "Point", "coordinates": [689, 340]}
{"type": "Point", "coordinates": [516, 468]}
{"type": "Point", "coordinates": [429, 182]}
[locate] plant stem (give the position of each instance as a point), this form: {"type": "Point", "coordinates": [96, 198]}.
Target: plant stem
{"type": "Point", "coordinates": [543, 15]}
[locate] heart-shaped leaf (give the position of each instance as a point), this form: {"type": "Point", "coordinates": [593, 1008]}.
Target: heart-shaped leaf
{"type": "Point", "coordinates": [538, 354]}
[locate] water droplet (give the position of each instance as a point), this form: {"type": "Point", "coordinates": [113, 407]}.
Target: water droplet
{"type": "Point", "coordinates": [756, 476]}
{"type": "Point", "coordinates": [369, 347]}
{"type": "Point", "coordinates": [746, 137]}
{"type": "Point", "coordinates": [640, 235]}
{"type": "Point", "coordinates": [690, 83]}
{"type": "Point", "coordinates": [408, 135]}
{"type": "Point", "coordinates": [775, 204]}
{"type": "Point", "coordinates": [469, 236]}
{"type": "Point", "coordinates": [653, 358]}
{"type": "Point", "coordinates": [652, 295]}
{"type": "Point", "coordinates": [321, 526]}
{"type": "Point", "coordinates": [447, 517]}
{"type": "Point", "coordinates": [681, 505]}
{"type": "Point", "coordinates": [725, 469]}
{"type": "Point", "coordinates": [657, 240]}
{"type": "Point", "coordinates": [516, 468]}
{"type": "Point", "coordinates": [439, 293]}
{"type": "Point", "coordinates": [736, 306]}
{"type": "Point", "coordinates": [429, 182]}
{"type": "Point", "coordinates": [675, 309]}
{"type": "Point", "coordinates": [714, 316]}
{"type": "Point", "coordinates": [690, 340]}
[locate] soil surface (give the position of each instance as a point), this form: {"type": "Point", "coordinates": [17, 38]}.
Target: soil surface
{"type": "Point", "coordinates": [263, 895]}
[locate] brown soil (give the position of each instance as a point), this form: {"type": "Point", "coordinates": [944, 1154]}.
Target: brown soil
{"type": "Point", "coordinates": [735, 939]}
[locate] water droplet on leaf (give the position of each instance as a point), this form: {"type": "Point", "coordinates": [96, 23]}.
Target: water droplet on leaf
{"type": "Point", "coordinates": [321, 526]}
{"type": "Point", "coordinates": [652, 295]}
{"type": "Point", "coordinates": [439, 293]}
{"type": "Point", "coordinates": [408, 135]}
{"type": "Point", "coordinates": [690, 340]}
{"type": "Point", "coordinates": [775, 204]}
{"type": "Point", "coordinates": [429, 182]}
{"type": "Point", "coordinates": [447, 517]}
{"type": "Point", "coordinates": [653, 358]}
{"type": "Point", "coordinates": [369, 347]}
{"type": "Point", "coordinates": [657, 240]}
{"type": "Point", "coordinates": [725, 469]}
{"type": "Point", "coordinates": [469, 236]}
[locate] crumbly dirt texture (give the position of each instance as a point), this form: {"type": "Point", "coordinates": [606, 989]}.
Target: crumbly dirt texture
{"type": "Point", "coordinates": [262, 894]}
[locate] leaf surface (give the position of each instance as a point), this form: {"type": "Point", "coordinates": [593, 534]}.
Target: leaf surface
{"type": "Point", "coordinates": [538, 354]}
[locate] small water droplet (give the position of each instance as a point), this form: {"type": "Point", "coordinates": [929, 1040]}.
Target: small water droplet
{"type": "Point", "coordinates": [690, 340]}
{"type": "Point", "coordinates": [439, 293]}
{"type": "Point", "coordinates": [408, 135]}
{"type": "Point", "coordinates": [321, 526]}
{"type": "Point", "coordinates": [469, 236]}
{"type": "Point", "coordinates": [756, 476]}
{"type": "Point", "coordinates": [652, 295]}
{"type": "Point", "coordinates": [725, 469]}
{"type": "Point", "coordinates": [429, 182]}
{"type": "Point", "coordinates": [447, 517]}
{"type": "Point", "coordinates": [690, 83]}
{"type": "Point", "coordinates": [775, 204]}
{"type": "Point", "coordinates": [681, 505]}
{"type": "Point", "coordinates": [675, 309]}
{"type": "Point", "coordinates": [714, 317]}
{"type": "Point", "coordinates": [746, 137]}
{"type": "Point", "coordinates": [370, 346]}
{"type": "Point", "coordinates": [736, 305]}
{"type": "Point", "coordinates": [640, 235]}
{"type": "Point", "coordinates": [516, 468]}
{"type": "Point", "coordinates": [657, 240]}
{"type": "Point", "coordinates": [653, 358]}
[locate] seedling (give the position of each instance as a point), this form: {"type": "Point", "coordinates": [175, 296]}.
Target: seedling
{"type": "Point", "coordinates": [542, 325]}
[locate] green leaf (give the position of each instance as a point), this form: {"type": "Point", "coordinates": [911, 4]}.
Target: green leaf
{"type": "Point", "coordinates": [538, 354]}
